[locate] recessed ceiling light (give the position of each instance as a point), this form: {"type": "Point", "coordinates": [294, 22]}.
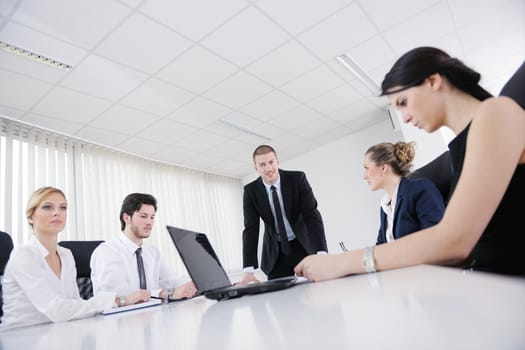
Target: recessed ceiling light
{"type": "Point", "coordinates": [226, 124]}
{"type": "Point", "coordinates": [34, 56]}
{"type": "Point", "coordinates": [359, 73]}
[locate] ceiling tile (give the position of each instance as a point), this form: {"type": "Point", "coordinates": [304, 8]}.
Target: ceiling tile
{"type": "Point", "coordinates": [103, 78]}
{"type": "Point", "coordinates": [270, 105]}
{"type": "Point", "coordinates": [62, 126]}
{"type": "Point", "coordinates": [201, 141]}
{"type": "Point", "coordinates": [332, 134]}
{"type": "Point", "coordinates": [334, 99]}
{"type": "Point", "coordinates": [141, 43]}
{"type": "Point", "coordinates": [132, 3]}
{"type": "Point", "coordinates": [372, 53]}
{"type": "Point", "coordinates": [313, 128]}
{"type": "Point", "coordinates": [101, 137]}
{"type": "Point", "coordinates": [189, 17]}
{"type": "Point", "coordinates": [42, 44]}
{"type": "Point", "coordinates": [78, 22]}
{"type": "Point", "coordinates": [403, 37]}
{"type": "Point", "coordinates": [197, 70]}
{"type": "Point", "coordinates": [67, 104]}
{"type": "Point", "coordinates": [246, 37]}
{"type": "Point", "coordinates": [230, 148]}
{"type": "Point", "coordinates": [463, 14]}
{"type": "Point", "coordinates": [6, 6]}
{"type": "Point", "coordinates": [199, 112]}
{"type": "Point", "coordinates": [502, 27]}
{"type": "Point", "coordinates": [233, 92]}
{"type": "Point", "coordinates": [385, 14]}
{"type": "Point", "coordinates": [20, 92]}
{"type": "Point", "coordinates": [371, 119]}
{"type": "Point", "coordinates": [124, 120]}
{"type": "Point", "coordinates": [173, 154]}
{"type": "Point", "coordinates": [157, 97]}
{"type": "Point", "coordinates": [312, 84]}
{"type": "Point", "coordinates": [295, 21]}
{"type": "Point", "coordinates": [297, 116]}
{"type": "Point", "coordinates": [329, 38]}
{"type": "Point", "coordinates": [202, 161]}
{"type": "Point", "coordinates": [6, 111]}
{"type": "Point", "coordinates": [141, 147]}
{"type": "Point", "coordinates": [357, 110]}
{"type": "Point", "coordinates": [231, 168]}
{"type": "Point", "coordinates": [284, 64]}
{"type": "Point", "coordinates": [166, 131]}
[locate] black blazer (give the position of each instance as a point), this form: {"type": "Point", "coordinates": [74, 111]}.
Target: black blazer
{"type": "Point", "coordinates": [419, 205]}
{"type": "Point", "coordinates": [300, 206]}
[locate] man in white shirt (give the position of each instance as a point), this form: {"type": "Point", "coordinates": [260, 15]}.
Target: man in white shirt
{"type": "Point", "coordinates": [126, 263]}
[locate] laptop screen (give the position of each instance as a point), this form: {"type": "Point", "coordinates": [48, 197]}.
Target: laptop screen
{"type": "Point", "coordinates": [200, 259]}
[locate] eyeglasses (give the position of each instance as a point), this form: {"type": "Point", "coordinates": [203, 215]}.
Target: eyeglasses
{"type": "Point", "coordinates": [342, 245]}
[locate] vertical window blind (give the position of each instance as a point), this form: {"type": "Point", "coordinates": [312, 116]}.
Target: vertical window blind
{"type": "Point", "coordinates": [96, 179]}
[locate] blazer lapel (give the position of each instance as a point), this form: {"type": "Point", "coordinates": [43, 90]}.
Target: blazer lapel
{"type": "Point", "coordinates": [400, 195]}
{"type": "Point", "coordinates": [286, 192]}
{"type": "Point", "coordinates": [260, 193]}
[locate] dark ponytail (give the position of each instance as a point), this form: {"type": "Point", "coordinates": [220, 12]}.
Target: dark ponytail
{"type": "Point", "coordinates": [416, 65]}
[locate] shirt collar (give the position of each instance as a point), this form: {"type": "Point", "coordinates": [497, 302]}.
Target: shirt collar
{"type": "Point", "coordinates": [128, 243]}
{"type": "Point", "coordinates": [269, 187]}
{"type": "Point", "coordinates": [42, 249]}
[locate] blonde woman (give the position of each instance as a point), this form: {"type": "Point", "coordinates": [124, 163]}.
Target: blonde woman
{"type": "Point", "coordinates": [40, 277]}
{"type": "Point", "coordinates": [408, 205]}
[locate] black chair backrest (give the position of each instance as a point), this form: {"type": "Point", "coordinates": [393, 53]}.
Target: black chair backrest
{"type": "Point", "coordinates": [439, 172]}
{"type": "Point", "coordinates": [82, 251]}
{"type": "Point", "coordinates": [6, 246]}
{"type": "Point", "coordinates": [515, 87]}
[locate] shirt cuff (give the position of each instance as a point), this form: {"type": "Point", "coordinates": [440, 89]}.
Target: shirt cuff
{"type": "Point", "coordinates": [322, 252]}
{"type": "Point", "coordinates": [250, 269]}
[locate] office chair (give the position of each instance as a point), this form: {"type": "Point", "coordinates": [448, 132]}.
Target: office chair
{"type": "Point", "coordinates": [439, 172]}
{"type": "Point", "coordinates": [515, 87]}
{"type": "Point", "coordinates": [82, 251]}
{"type": "Point", "coordinates": [6, 246]}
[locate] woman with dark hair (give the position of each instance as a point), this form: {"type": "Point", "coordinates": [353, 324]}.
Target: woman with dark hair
{"type": "Point", "coordinates": [482, 226]}
{"type": "Point", "coordinates": [408, 205]}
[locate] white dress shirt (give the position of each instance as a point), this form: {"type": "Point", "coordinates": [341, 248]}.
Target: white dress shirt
{"type": "Point", "coordinates": [114, 268]}
{"type": "Point", "coordinates": [33, 294]}
{"type": "Point", "coordinates": [389, 207]}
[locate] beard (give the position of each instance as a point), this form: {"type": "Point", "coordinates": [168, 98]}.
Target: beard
{"type": "Point", "coordinates": [139, 233]}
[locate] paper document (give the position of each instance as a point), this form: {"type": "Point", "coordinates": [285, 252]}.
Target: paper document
{"type": "Point", "coordinates": [152, 302]}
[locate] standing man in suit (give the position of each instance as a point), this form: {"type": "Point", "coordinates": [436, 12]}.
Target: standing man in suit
{"type": "Point", "coordinates": [288, 237]}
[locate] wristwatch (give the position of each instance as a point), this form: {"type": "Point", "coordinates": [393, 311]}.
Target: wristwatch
{"type": "Point", "coordinates": [169, 294]}
{"type": "Point", "coordinates": [121, 300]}
{"type": "Point", "coordinates": [369, 263]}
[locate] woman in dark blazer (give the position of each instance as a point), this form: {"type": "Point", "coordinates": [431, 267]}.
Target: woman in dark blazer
{"type": "Point", "coordinates": [408, 205]}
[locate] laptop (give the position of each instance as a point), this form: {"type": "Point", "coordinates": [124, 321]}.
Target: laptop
{"type": "Point", "coordinates": [206, 270]}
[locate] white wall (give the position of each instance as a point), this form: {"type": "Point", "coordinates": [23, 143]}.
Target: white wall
{"type": "Point", "coordinates": [335, 171]}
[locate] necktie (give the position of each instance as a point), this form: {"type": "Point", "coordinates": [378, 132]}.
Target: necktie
{"type": "Point", "coordinates": [285, 245]}
{"type": "Point", "coordinates": [140, 267]}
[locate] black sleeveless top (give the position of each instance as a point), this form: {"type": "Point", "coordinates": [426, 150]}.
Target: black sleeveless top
{"type": "Point", "coordinates": [501, 246]}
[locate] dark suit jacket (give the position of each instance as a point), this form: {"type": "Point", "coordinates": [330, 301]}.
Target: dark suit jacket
{"type": "Point", "coordinates": [419, 205]}
{"type": "Point", "coordinates": [300, 206]}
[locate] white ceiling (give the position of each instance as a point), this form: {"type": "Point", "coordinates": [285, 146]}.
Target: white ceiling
{"type": "Point", "coordinates": [153, 77]}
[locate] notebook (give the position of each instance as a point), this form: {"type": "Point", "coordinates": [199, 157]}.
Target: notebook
{"type": "Point", "coordinates": [116, 310]}
{"type": "Point", "coordinates": [206, 270]}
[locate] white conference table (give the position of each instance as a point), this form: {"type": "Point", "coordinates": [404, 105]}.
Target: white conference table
{"type": "Point", "coordinates": [422, 307]}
